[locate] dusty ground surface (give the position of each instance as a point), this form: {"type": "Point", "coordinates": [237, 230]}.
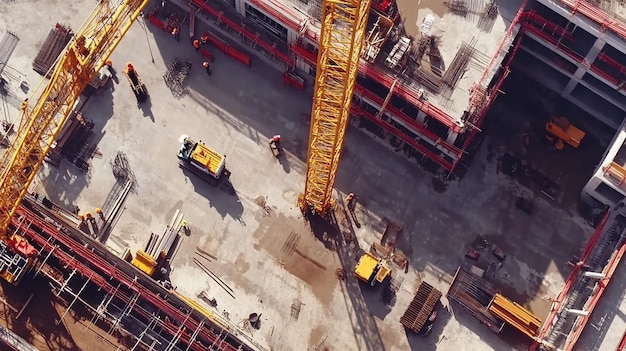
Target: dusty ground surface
{"type": "Point", "coordinates": [265, 251]}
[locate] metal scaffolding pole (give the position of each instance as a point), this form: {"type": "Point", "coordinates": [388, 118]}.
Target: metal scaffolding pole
{"type": "Point", "coordinates": [104, 305]}
{"type": "Point", "coordinates": [62, 287]}
{"type": "Point", "coordinates": [178, 333]}
{"type": "Point", "coordinates": [143, 333]}
{"type": "Point", "coordinates": [73, 301]}
{"type": "Point", "coordinates": [125, 311]}
{"type": "Point", "coordinates": [195, 334]}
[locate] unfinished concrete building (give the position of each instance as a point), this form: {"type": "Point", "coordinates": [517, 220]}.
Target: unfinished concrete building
{"type": "Point", "coordinates": [578, 49]}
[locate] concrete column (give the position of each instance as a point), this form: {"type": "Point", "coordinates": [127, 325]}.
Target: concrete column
{"type": "Point", "coordinates": [451, 137]}
{"type": "Point", "coordinates": [291, 36]}
{"type": "Point", "coordinates": [421, 117]}
{"type": "Point", "coordinates": [595, 50]}
{"type": "Point", "coordinates": [240, 7]}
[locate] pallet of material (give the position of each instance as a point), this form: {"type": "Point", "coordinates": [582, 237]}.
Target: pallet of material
{"type": "Point", "coordinates": [421, 307]}
{"type": "Point", "coordinates": [475, 295]}
{"type": "Point", "coordinates": [57, 40]}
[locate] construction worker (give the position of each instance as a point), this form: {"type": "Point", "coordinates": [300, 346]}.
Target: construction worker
{"type": "Point", "coordinates": [100, 214]}
{"type": "Point", "coordinates": [176, 34]}
{"type": "Point", "coordinates": [196, 44]}
{"type": "Point", "coordinates": [81, 217]}
{"type": "Point", "coordinates": [207, 67]}
{"type": "Point", "coordinates": [275, 140]}
{"type": "Point", "coordinates": [130, 67]}
{"type": "Point", "coordinates": [204, 38]}
{"type": "Point", "coordinates": [184, 226]}
{"type": "Point", "coordinates": [109, 64]}
{"type": "Point", "coordinates": [349, 199]}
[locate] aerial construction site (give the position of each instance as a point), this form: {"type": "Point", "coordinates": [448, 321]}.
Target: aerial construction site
{"type": "Point", "coordinates": [313, 175]}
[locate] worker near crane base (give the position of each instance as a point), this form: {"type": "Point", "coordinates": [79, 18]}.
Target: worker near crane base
{"type": "Point", "coordinates": [130, 67]}
{"type": "Point", "coordinates": [196, 44]}
{"type": "Point", "coordinates": [176, 34]}
{"type": "Point", "coordinates": [207, 67]}
{"type": "Point", "coordinates": [204, 38]}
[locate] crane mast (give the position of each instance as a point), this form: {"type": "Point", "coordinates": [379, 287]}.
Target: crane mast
{"type": "Point", "coordinates": [39, 126]}
{"type": "Point", "coordinates": [343, 29]}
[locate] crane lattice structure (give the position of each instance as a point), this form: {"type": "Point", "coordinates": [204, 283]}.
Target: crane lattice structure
{"type": "Point", "coordinates": [78, 65]}
{"type": "Point", "coordinates": [343, 29]}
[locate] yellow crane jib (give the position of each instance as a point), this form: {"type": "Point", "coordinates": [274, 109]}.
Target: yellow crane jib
{"type": "Point", "coordinates": [52, 102]}
{"type": "Point", "coordinates": [344, 24]}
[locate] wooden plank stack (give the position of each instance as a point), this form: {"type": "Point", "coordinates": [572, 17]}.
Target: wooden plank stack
{"type": "Point", "coordinates": [421, 307]}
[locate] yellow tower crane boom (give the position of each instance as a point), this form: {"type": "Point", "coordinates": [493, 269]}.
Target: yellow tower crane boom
{"type": "Point", "coordinates": [39, 126]}
{"type": "Point", "coordinates": [344, 24]}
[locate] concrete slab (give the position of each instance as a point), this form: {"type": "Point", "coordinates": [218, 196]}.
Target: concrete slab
{"type": "Point", "coordinates": [265, 251]}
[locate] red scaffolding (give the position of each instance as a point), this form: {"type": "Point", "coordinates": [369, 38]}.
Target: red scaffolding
{"type": "Point", "coordinates": [597, 15]}
{"type": "Point", "coordinates": [104, 274]}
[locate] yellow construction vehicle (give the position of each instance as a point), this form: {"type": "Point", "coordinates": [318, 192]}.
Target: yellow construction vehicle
{"type": "Point", "coordinates": [201, 160]}
{"type": "Point", "coordinates": [565, 132]}
{"type": "Point", "coordinates": [371, 269]}
{"type": "Point", "coordinates": [43, 115]}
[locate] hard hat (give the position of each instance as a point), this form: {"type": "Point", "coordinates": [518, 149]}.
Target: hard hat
{"type": "Point", "coordinates": [109, 63]}
{"type": "Point", "coordinates": [205, 64]}
{"type": "Point", "coordinates": [98, 210]}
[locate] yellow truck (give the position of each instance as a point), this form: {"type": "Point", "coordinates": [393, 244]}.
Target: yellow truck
{"type": "Point", "coordinates": [565, 132]}
{"type": "Point", "coordinates": [201, 160]}
{"type": "Point", "coordinates": [371, 269]}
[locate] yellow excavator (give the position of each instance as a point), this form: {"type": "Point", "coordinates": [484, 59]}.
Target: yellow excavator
{"type": "Point", "coordinates": [564, 132]}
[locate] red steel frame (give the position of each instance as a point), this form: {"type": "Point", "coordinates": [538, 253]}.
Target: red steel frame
{"type": "Point", "coordinates": [111, 273]}
{"type": "Point", "coordinates": [573, 277]}
{"type": "Point", "coordinates": [597, 15]}
{"type": "Point", "coordinates": [622, 343]}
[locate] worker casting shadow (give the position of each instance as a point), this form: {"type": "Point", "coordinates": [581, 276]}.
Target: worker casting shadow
{"type": "Point", "coordinates": [146, 109]}
{"type": "Point", "coordinates": [282, 159]}
{"type": "Point", "coordinates": [223, 196]}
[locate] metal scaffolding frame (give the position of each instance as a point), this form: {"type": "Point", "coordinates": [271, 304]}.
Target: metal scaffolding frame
{"type": "Point", "coordinates": [159, 320]}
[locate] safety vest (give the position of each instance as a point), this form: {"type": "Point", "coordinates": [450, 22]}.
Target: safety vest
{"type": "Point", "coordinates": [196, 44]}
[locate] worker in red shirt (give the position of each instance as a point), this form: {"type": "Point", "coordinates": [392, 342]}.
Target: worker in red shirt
{"type": "Point", "coordinates": [275, 140]}
{"type": "Point", "coordinates": [196, 44]}
{"type": "Point", "coordinates": [207, 67]}
{"type": "Point", "coordinates": [176, 34]}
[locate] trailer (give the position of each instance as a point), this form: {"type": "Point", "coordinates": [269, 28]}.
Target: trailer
{"type": "Point", "coordinates": [201, 160]}
{"type": "Point", "coordinates": [139, 89]}
{"type": "Point", "coordinates": [474, 294]}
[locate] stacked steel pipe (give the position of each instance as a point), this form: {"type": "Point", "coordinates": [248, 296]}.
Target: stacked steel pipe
{"type": "Point", "coordinates": [56, 41]}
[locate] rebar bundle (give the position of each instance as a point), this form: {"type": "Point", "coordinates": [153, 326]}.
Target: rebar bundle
{"type": "Point", "coordinates": [172, 67]}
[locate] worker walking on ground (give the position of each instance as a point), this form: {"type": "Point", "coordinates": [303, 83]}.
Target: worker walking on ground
{"type": "Point", "coordinates": [176, 34]}
{"type": "Point", "coordinates": [196, 44]}
{"type": "Point", "coordinates": [349, 200]}
{"type": "Point", "coordinates": [204, 38]}
{"type": "Point", "coordinates": [206, 66]}
{"type": "Point", "coordinates": [130, 68]}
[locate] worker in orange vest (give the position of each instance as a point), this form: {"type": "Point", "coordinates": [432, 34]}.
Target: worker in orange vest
{"type": "Point", "coordinates": [196, 44]}
{"type": "Point", "coordinates": [176, 34]}
{"type": "Point", "coordinates": [130, 68]}
{"type": "Point", "coordinates": [207, 66]}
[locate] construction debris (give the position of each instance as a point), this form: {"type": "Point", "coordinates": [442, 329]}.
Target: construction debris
{"type": "Point", "coordinates": [57, 40]}
{"type": "Point", "coordinates": [72, 142]}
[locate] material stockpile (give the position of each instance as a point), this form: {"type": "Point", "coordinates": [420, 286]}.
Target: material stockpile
{"type": "Point", "coordinates": [56, 41]}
